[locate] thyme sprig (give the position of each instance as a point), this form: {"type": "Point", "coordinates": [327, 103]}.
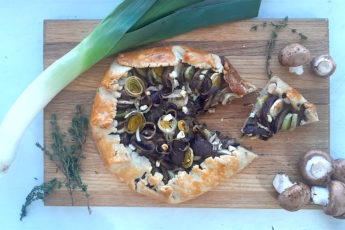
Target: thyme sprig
{"type": "Point", "coordinates": [276, 28]}
{"type": "Point", "coordinates": [39, 193]}
{"type": "Point", "coordinates": [66, 158]}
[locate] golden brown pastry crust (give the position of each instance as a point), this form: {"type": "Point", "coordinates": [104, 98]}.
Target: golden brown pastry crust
{"type": "Point", "coordinates": [135, 170]}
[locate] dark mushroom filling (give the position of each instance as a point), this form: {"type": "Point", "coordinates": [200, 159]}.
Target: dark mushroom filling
{"type": "Point", "coordinates": [274, 114]}
{"type": "Point", "coordinates": [156, 113]}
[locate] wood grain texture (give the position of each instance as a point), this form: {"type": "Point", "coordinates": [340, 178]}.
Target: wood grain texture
{"type": "Point", "coordinates": [246, 51]}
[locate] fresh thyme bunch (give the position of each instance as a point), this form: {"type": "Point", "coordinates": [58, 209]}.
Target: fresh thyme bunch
{"type": "Point", "coordinates": [66, 158]}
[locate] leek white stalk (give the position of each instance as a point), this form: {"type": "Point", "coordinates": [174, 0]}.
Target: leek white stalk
{"type": "Point", "coordinates": [33, 99]}
{"type": "Point", "coordinates": [57, 76]}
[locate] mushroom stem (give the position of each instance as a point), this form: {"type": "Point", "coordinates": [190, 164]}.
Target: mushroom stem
{"type": "Point", "coordinates": [296, 70]}
{"type": "Point", "coordinates": [318, 167]}
{"type": "Point", "coordinates": [320, 195]}
{"type": "Point", "coordinates": [281, 182]}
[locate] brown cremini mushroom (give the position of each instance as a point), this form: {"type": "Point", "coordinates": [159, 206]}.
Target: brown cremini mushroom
{"type": "Point", "coordinates": [292, 196]}
{"type": "Point", "coordinates": [339, 170]}
{"type": "Point", "coordinates": [316, 167]}
{"type": "Point", "coordinates": [323, 65]}
{"type": "Point", "coordinates": [332, 198]}
{"type": "Point", "coordinates": [294, 56]}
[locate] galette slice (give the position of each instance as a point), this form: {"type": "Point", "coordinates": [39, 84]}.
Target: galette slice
{"type": "Point", "coordinates": [279, 107]}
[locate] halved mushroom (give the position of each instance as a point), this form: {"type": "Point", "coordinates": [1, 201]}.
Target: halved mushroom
{"type": "Point", "coordinates": [316, 167]}
{"type": "Point", "coordinates": [323, 65]}
{"type": "Point", "coordinates": [292, 196]}
{"type": "Point", "coordinates": [294, 56]}
{"type": "Point", "coordinates": [332, 198]}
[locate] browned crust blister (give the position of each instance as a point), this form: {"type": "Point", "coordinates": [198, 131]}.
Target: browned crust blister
{"type": "Point", "coordinates": [135, 170]}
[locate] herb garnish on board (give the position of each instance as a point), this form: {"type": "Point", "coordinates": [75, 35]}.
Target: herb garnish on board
{"type": "Point", "coordinates": [276, 28]}
{"type": "Point", "coordinates": [66, 158]}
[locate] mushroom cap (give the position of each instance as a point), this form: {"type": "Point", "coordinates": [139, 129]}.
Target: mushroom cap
{"type": "Point", "coordinates": [323, 65]}
{"type": "Point", "coordinates": [336, 203]}
{"type": "Point", "coordinates": [294, 197]}
{"type": "Point", "coordinates": [327, 170]}
{"type": "Point", "coordinates": [339, 170]}
{"type": "Point", "coordinates": [294, 55]}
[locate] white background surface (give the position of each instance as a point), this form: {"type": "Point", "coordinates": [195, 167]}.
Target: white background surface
{"type": "Point", "coordinates": [21, 60]}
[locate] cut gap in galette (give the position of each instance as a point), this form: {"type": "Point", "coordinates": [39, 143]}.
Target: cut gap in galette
{"type": "Point", "coordinates": [144, 121]}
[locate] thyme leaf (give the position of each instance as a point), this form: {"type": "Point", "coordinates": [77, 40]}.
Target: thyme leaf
{"type": "Point", "coordinates": [39, 193]}
{"type": "Point", "coordinates": [276, 28]}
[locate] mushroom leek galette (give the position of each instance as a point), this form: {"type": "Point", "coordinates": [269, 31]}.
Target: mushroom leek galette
{"type": "Point", "coordinates": [279, 107]}
{"type": "Point", "coordinates": [143, 121]}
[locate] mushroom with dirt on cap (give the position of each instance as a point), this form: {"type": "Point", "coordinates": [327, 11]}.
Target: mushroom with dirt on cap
{"type": "Point", "coordinates": [316, 167]}
{"type": "Point", "coordinates": [294, 56]}
{"type": "Point", "coordinates": [292, 196]}
{"type": "Point", "coordinates": [332, 198]}
{"type": "Point", "coordinates": [323, 65]}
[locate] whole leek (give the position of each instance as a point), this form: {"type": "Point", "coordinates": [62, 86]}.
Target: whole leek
{"type": "Point", "coordinates": [130, 24]}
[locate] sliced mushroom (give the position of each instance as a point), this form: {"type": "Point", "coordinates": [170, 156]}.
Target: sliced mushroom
{"type": "Point", "coordinates": [149, 130]}
{"type": "Point", "coordinates": [179, 149]}
{"type": "Point", "coordinates": [143, 147]}
{"type": "Point", "coordinates": [205, 86]}
{"type": "Point", "coordinates": [316, 167]}
{"type": "Point", "coordinates": [278, 121]}
{"type": "Point", "coordinates": [332, 198]}
{"type": "Point", "coordinates": [323, 65]}
{"type": "Point", "coordinates": [294, 56]}
{"type": "Point", "coordinates": [201, 146]}
{"type": "Point", "coordinates": [265, 116]}
{"type": "Point", "coordinates": [292, 196]}
{"type": "Point", "coordinates": [253, 129]}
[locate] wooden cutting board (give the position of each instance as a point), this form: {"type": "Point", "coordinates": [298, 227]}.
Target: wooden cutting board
{"type": "Point", "coordinates": [246, 51]}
